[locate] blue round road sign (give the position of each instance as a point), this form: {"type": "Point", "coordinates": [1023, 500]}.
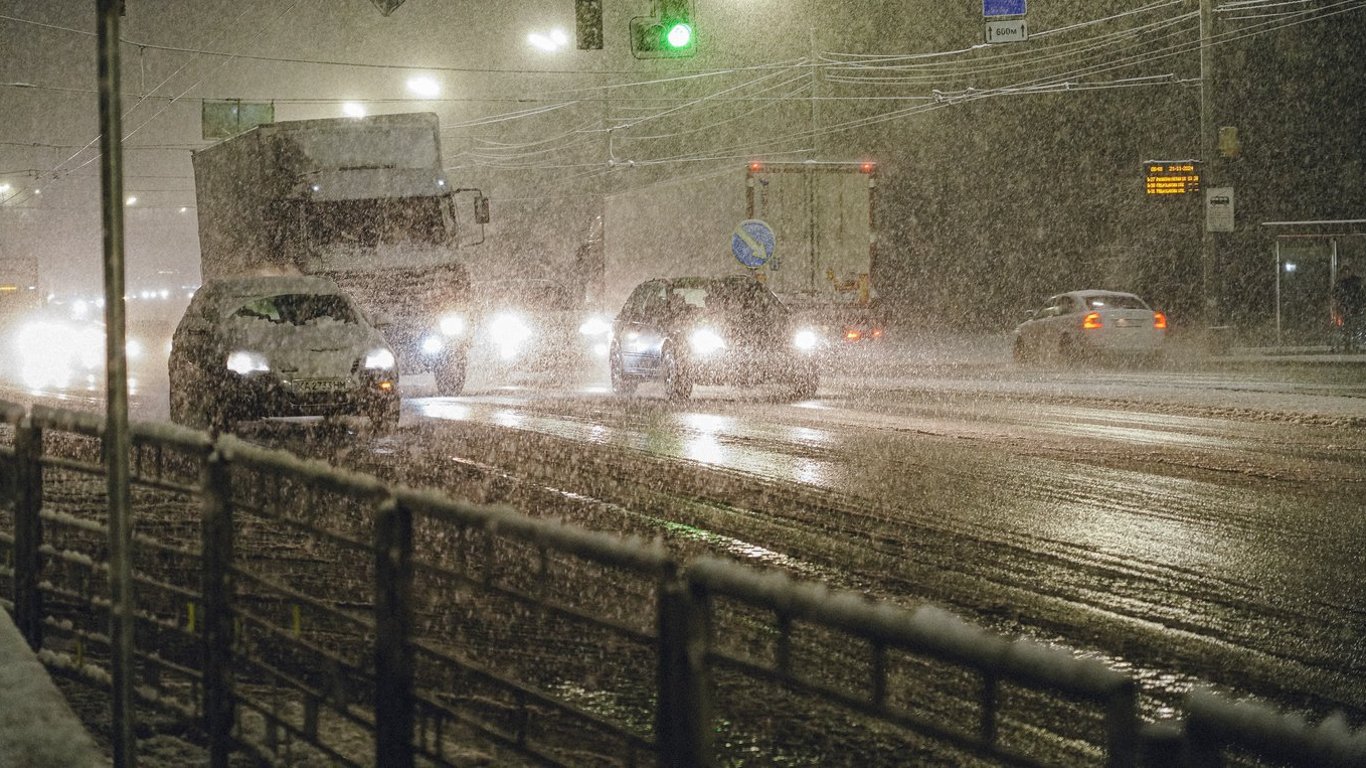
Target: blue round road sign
{"type": "Point", "coordinates": [752, 243]}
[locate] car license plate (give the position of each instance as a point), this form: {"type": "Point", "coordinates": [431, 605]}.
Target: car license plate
{"type": "Point", "coordinates": [319, 386]}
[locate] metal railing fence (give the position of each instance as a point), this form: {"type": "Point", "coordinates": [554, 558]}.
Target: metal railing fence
{"type": "Point", "coordinates": [286, 608]}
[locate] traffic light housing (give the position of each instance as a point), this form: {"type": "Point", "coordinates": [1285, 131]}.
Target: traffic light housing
{"type": "Point", "coordinates": [670, 34]}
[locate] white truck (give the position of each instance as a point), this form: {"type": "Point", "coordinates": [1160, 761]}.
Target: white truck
{"type": "Point", "coordinates": [823, 217]}
{"type": "Point", "coordinates": [363, 201]}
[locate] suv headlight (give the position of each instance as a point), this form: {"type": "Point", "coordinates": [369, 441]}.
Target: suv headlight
{"type": "Point", "coordinates": [379, 360]}
{"type": "Point", "coordinates": [705, 341]}
{"type": "Point", "coordinates": [805, 340]}
{"type": "Point", "coordinates": [452, 325]}
{"type": "Point", "coordinates": [595, 326]}
{"type": "Point", "coordinates": [243, 362]}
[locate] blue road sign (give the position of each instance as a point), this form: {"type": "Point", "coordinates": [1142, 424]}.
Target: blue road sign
{"type": "Point", "coordinates": [1003, 8]}
{"type": "Point", "coordinates": [752, 243]}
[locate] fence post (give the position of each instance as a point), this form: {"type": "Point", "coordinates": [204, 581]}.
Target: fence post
{"type": "Point", "coordinates": [28, 532]}
{"type": "Point", "coordinates": [1122, 726]}
{"type": "Point", "coordinates": [217, 588]}
{"type": "Point", "coordinates": [394, 665]}
{"type": "Point", "coordinates": [683, 718]}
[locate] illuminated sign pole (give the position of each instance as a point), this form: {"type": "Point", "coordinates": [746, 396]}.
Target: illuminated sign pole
{"type": "Point", "coordinates": [1207, 252]}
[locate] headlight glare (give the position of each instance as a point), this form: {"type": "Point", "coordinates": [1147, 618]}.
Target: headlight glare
{"type": "Point", "coordinates": [805, 340]}
{"type": "Point", "coordinates": [509, 332]}
{"type": "Point", "coordinates": [243, 362]}
{"type": "Point", "coordinates": [705, 341]}
{"type": "Point", "coordinates": [595, 326]}
{"type": "Point", "coordinates": [379, 360]}
{"type": "Point", "coordinates": [452, 325]}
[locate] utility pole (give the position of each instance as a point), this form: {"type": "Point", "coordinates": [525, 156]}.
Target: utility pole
{"type": "Point", "coordinates": [116, 440]}
{"type": "Point", "coordinates": [1209, 293]}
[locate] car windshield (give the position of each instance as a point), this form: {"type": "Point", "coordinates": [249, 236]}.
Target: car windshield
{"type": "Point", "coordinates": [727, 297]}
{"type": "Point", "coordinates": [1115, 301]}
{"type": "Point", "coordinates": [298, 309]}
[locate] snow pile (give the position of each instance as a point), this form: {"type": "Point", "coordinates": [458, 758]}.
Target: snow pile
{"type": "Point", "coordinates": [37, 727]}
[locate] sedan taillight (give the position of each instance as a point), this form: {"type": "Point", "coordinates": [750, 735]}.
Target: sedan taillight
{"type": "Point", "coordinates": [1091, 321]}
{"type": "Point", "coordinates": [1159, 321]}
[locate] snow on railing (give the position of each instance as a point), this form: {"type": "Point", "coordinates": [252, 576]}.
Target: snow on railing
{"type": "Point", "coordinates": [1212, 726]}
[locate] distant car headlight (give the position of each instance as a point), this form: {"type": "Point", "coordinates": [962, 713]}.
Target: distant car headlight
{"type": "Point", "coordinates": [452, 325]}
{"type": "Point", "coordinates": [805, 340]}
{"type": "Point", "coordinates": [509, 332]}
{"type": "Point", "coordinates": [243, 362]}
{"type": "Point", "coordinates": [432, 345]}
{"type": "Point", "coordinates": [132, 348]}
{"type": "Point", "coordinates": [705, 341]}
{"type": "Point", "coordinates": [379, 360]}
{"type": "Point", "coordinates": [595, 326]}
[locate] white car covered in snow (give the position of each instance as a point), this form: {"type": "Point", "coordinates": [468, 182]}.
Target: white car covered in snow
{"type": "Point", "coordinates": [256, 347]}
{"type": "Point", "coordinates": [1088, 324]}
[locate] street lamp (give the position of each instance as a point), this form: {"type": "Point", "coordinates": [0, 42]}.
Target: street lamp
{"type": "Point", "coordinates": [551, 41]}
{"type": "Point", "coordinates": [425, 86]}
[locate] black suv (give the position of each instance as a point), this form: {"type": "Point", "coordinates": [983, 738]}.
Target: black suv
{"type": "Point", "coordinates": [710, 330]}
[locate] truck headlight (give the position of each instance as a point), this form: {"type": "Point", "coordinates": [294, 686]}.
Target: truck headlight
{"type": "Point", "coordinates": [452, 325]}
{"type": "Point", "coordinates": [509, 333]}
{"type": "Point", "coordinates": [705, 341]}
{"type": "Point", "coordinates": [243, 362]}
{"type": "Point", "coordinates": [805, 340]}
{"type": "Point", "coordinates": [379, 360]}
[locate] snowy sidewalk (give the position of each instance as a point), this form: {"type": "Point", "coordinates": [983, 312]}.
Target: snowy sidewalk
{"type": "Point", "coordinates": [37, 727]}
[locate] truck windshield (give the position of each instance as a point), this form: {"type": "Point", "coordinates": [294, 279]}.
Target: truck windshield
{"type": "Point", "coordinates": [372, 222]}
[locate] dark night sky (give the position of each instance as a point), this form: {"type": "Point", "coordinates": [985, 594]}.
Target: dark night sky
{"type": "Point", "coordinates": [987, 205]}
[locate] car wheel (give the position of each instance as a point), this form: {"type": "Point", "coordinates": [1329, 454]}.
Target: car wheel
{"type": "Point", "coordinates": [384, 416]}
{"type": "Point", "coordinates": [804, 385]}
{"type": "Point", "coordinates": [677, 382]}
{"type": "Point", "coordinates": [621, 384]}
{"type": "Point", "coordinates": [1067, 349]}
{"type": "Point", "coordinates": [450, 375]}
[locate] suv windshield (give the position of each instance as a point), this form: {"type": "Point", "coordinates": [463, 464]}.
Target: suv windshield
{"type": "Point", "coordinates": [298, 309]}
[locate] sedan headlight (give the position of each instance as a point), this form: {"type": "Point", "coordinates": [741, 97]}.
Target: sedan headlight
{"type": "Point", "coordinates": [805, 340]}
{"type": "Point", "coordinates": [705, 341]}
{"type": "Point", "coordinates": [243, 362]}
{"type": "Point", "coordinates": [452, 325]}
{"type": "Point", "coordinates": [379, 360]}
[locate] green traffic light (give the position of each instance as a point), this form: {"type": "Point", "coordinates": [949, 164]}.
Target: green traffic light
{"type": "Point", "coordinates": [679, 35]}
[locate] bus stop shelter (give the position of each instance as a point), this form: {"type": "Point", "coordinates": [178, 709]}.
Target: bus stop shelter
{"type": "Point", "coordinates": [1309, 255]}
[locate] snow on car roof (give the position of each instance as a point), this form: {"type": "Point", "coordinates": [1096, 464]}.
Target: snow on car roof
{"type": "Point", "coordinates": [1097, 292]}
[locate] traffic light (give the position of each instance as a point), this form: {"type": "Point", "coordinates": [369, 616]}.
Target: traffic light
{"type": "Point", "coordinates": [670, 33]}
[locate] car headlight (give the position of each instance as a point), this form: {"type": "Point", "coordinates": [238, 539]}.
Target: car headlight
{"type": "Point", "coordinates": [132, 349]}
{"type": "Point", "coordinates": [509, 332]}
{"type": "Point", "coordinates": [433, 345]}
{"type": "Point", "coordinates": [595, 326]}
{"type": "Point", "coordinates": [379, 360]}
{"type": "Point", "coordinates": [805, 340]}
{"type": "Point", "coordinates": [243, 362]}
{"type": "Point", "coordinates": [705, 341]}
{"type": "Point", "coordinates": [452, 325]}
